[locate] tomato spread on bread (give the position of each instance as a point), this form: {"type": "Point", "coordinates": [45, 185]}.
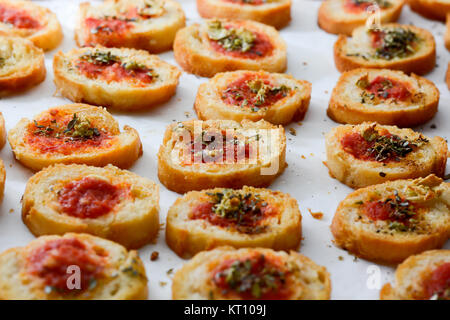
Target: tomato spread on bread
{"type": "Point", "coordinates": [390, 43]}
{"type": "Point", "coordinates": [357, 6]}
{"type": "Point", "coordinates": [437, 284]}
{"type": "Point", "coordinates": [17, 18]}
{"type": "Point", "coordinates": [251, 2]}
{"type": "Point", "coordinates": [382, 88]}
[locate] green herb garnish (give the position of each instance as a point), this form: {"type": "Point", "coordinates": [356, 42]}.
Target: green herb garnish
{"type": "Point", "coordinates": [396, 43]}
{"type": "Point", "coordinates": [231, 39]}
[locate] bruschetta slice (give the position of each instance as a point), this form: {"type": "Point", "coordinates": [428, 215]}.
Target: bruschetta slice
{"type": "Point", "coordinates": [253, 95]}
{"type": "Point", "coordinates": [391, 221]}
{"type": "Point", "coordinates": [383, 96]}
{"type": "Point", "coordinates": [197, 155]}
{"type": "Point", "coordinates": [74, 133]}
{"type": "Point", "coordinates": [248, 217]}
{"type": "Point", "coordinates": [251, 274]}
{"type": "Point", "coordinates": [447, 76]}
{"type": "Point", "coordinates": [22, 65]}
{"type": "Point", "coordinates": [141, 24]}
{"type": "Point", "coordinates": [276, 13]}
{"type": "Point", "coordinates": [228, 45]}
{"type": "Point", "coordinates": [432, 9]}
{"type": "Point", "coordinates": [28, 20]}
{"type": "Point", "coordinates": [447, 32]}
{"type": "Point", "coordinates": [392, 46]}
{"type": "Point", "coordinates": [2, 179]}
{"type": "Point", "coordinates": [72, 267]}
{"type": "Point", "coordinates": [367, 154]}
{"type": "Point", "coordinates": [107, 202]}
{"type": "Point", "coordinates": [343, 16]}
{"type": "Point", "coordinates": [425, 276]}
{"type": "Point", "coordinates": [122, 79]}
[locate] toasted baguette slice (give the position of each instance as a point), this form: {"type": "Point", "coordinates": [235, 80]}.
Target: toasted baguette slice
{"type": "Point", "coordinates": [414, 50]}
{"type": "Point", "coordinates": [204, 220]}
{"type": "Point", "coordinates": [253, 95]}
{"type": "Point", "coordinates": [122, 79]}
{"type": "Point", "coordinates": [48, 268]}
{"type": "Point", "coordinates": [384, 96]}
{"type": "Point", "coordinates": [432, 9]}
{"type": "Point", "coordinates": [107, 202]}
{"type": "Point", "coordinates": [343, 16]}
{"type": "Point", "coordinates": [420, 277]}
{"type": "Point", "coordinates": [225, 273]}
{"type": "Point", "coordinates": [74, 133]}
{"type": "Point", "coordinates": [388, 222]}
{"type": "Point", "coordinates": [22, 65]}
{"type": "Point", "coordinates": [202, 49]}
{"type": "Point", "coordinates": [28, 20]}
{"type": "Point", "coordinates": [275, 13]}
{"type": "Point", "coordinates": [367, 154]}
{"type": "Point", "coordinates": [141, 24]}
{"type": "Point", "coordinates": [2, 131]}
{"type": "Point", "coordinates": [2, 179]}
{"type": "Point", "coordinates": [447, 76]}
{"type": "Point", "coordinates": [197, 155]}
{"type": "Point", "coordinates": [447, 32]}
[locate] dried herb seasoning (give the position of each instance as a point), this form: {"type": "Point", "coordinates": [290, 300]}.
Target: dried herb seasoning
{"type": "Point", "coordinates": [381, 3]}
{"type": "Point", "coordinates": [395, 43]}
{"type": "Point", "coordinates": [76, 129]}
{"type": "Point", "coordinates": [231, 39]}
{"type": "Point", "coordinates": [100, 58]}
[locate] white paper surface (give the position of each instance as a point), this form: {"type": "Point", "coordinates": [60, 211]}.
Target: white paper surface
{"type": "Point", "coordinates": [310, 57]}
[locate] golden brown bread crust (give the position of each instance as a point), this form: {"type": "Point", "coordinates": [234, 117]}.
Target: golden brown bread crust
{"type": "Point", "coordinates": [123, 151]}
{"type": "Point", "coordinates": [194, 53]}
{"type": "Point", "coordinates": [187, 236]}
{"type": "Point", "coordinates": [410, 274]}
{"type": "Point", "coordinates": [428, 158]}
{"type": "Point", "coordinates": [333, 18]}
{"type": "Point", "coordinates": [377, 240]}
{"type": "Point", "coordinates": [2, 179]}
{"type": "Point", "coordinates": [307, 280]}
{"type": "Point", "coordinates": [347, 106]}
{"type": "Point", "coordinates": [122, 95]}
{"type": "Point", "coordinates": [447, 76]}
{"type": "Point", "coordinates": [133, 222]}
{"type": "Point", "coordinates": [123, 278]}
{"type": "Point", "coordinates": [2, 131]}
{"type": "Point", "coordinates": [420, 62]}
{"type": "Point", "coordinates": [276, 13]}
{"type": "Point", "coordinates": [178, 173]}
{"type": "Point", "coordinates": [432, 9]}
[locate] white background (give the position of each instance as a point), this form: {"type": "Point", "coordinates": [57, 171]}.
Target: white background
{"type": "Point", "coordinates": [310, 58]}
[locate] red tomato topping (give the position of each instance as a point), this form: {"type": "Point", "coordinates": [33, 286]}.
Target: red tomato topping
{"type": "Point", "coordinates": [356, 145]}
{"type": "Point", "coordinates": [377, 210]}
{"type": "Point", "coordinates": [387, 88]}
{"type": "Point", "coordinates": [356, 7]}
{"type": "Point", "coordinates": [394, 209]}
{"type": "Point", "coordinates": [17, 17]}
{"type": "Point", "coordinates": [89, 198]}
{"type": "Point", "coordinates": [51, 261]}
{"type": "Point", "coordinates": [439, 282]}
{"type": "Point", "coordinates": [107, 32]}
{"type": "Point", "coordinates": [377, 38]}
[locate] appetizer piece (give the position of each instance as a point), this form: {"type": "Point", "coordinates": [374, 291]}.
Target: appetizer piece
{"type": "Point", "coordinates": [74, 133]}
{"type": "Point", "coordinates": [425, 276]}
{"type": "Point", "coordinates": [2, 179]}
{"type": "Point", "coordinates": [22, 65]}
{"type": "Point", "coordinates": [447, 32]}
{"type": "Point", "coordinates": [343, 16]}
{"type": "Point", "coordinates": [123, 79]}
{"type": "Point", "coordinates": [367, 154]}
{"type": "Point", "coordinates": [197, 155]}
{"type": "Point", "coordinates": [107, 202]}
{"type": "Point", "coordinates": [249, 274]}
{"type": "Point", "coordinates": [26, 19]}
{"type": "Point", "coordinates": [253, 95]}
{"type": "Point", "coordinates": [72, 267]}
{"type": "Point", "coordinates": [388, 222]}
{"type": "Point", "coordinates": [141, 24]}
{"type": "Point", "coordinates": [432, 9]}
{"type": "Point", "coordinates": [276, 13]}
{"type": "Point", "coordinates": [393, 46]}
{"type": "Point", "coordinates": [447, 76]}
{"type": "Point", "coordinates": [228, 45]}
{"type": "Point", "coordinates": [383, 96]}
{"type": "Point", "coordinates": [248, 217]}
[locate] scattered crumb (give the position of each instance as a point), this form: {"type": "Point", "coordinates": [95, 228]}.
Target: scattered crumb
{"type": "Point", "coordinates": [316, 215]}
{"type": "Point", "coordinates": [326, 91]}
{"type": "Point", "coordinates": [311, 154]}
{"type": "Point", "coordinates": [154, 256]}
{"type": "Point", "coordinates": [300, 123]}
{"type": "Point", "coordinates": [341, 258]}
{"type": "Point", "coordinates": [170, 271]}
{"type": "Point", "coordinates": [433, 126]}
{"type": "Point", "coordinates": [293, 131]}
{"type": "Point", "coordinates": [162, 283]}
{"type": "Point", "coordinates": [305, 63]}
{"type": "Point", "coordinates": [355, 259]}
{"type": "Point", "coordinates": [187, 114]}
{"type": "Point", "coordinates": [10, 165]}
{"type": "Point", "coordinates": [11, 210]}
{"type": "Point", "coordinates": [303, 157]}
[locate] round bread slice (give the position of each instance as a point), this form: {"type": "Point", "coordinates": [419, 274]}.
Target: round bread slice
{"type": "Point", "coordinates": [276, 13]}
{"type": "Point", "coordinates": [197, 155]}
{"type": "Point", "coordinates": [250, 274]}
{"type": "Point", "coordinates": [391, 221]}
{"type": "Point", "coordinates": [2, 179]}
{"type": "Point", "coordinates": [28, 20]}
{"type": "Point", "coordinates": [432, 9]}
{"type": "Point", "coordinates": [447, 76]}
{"type": "Point", "coordinates": [425, 276]}
{"type": "Point", "coordinates": [383, 96]}
{"type": "Point", "coordinates": [253, 95]}
{"type": "Point", "coordinates": [72, 267]}
{"type": "Point", "coordinates": [393, 46]}
{"type": "Point", "coordinates": [107, 202]}
{"type": "Point", "coordinates": [21, 65]}
{"type": "Point", "coordinates": [122, 79]}
{"type": "Point", "coordinates": [227, 45]}
{"type": "Point", "coordinates": [141, 24]}
{"type": "Point", "coordinates": [74, 133]}
{"type": "Point", "coordinates": [248, 217]}
{"type": "Point", "coordinates": [367, 154]}
{"type": "Point", "coordinates": [343, 16]}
